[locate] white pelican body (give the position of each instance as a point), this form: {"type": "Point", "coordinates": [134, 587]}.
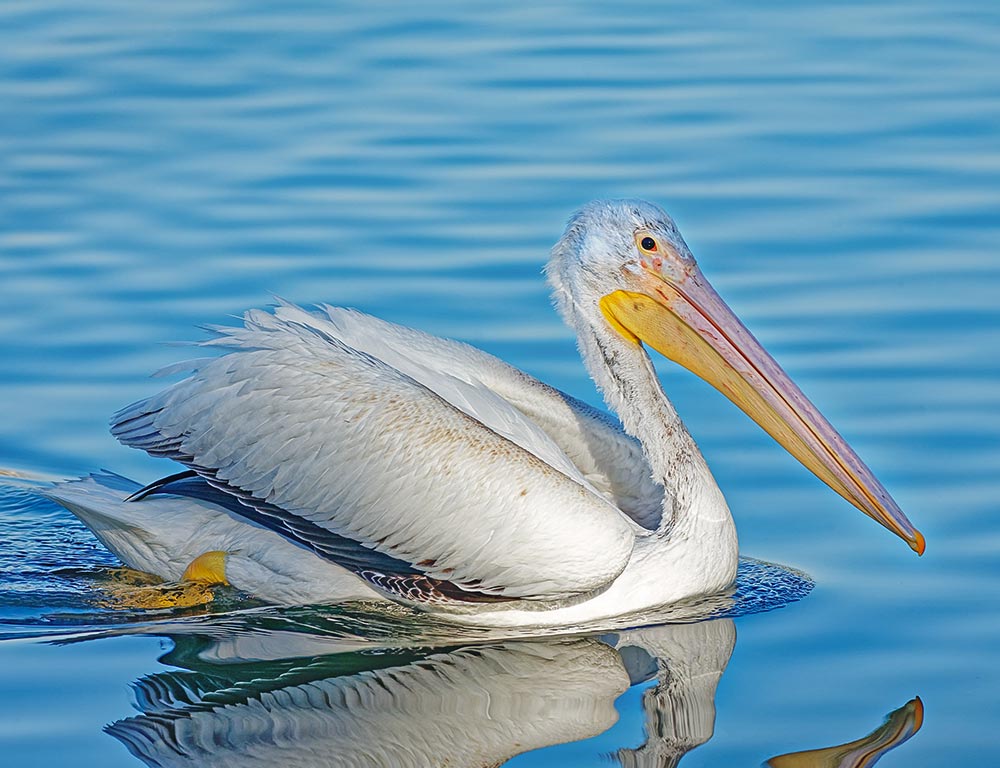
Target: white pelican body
{"type": "Point", "coordinates": [333, 456]}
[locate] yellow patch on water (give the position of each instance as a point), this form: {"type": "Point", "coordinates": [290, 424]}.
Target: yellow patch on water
{"type": "Point", "coordinates": [126, 588]}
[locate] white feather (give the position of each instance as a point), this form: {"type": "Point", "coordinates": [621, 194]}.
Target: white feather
{"type": "Point", "coordinates": [296, 417]}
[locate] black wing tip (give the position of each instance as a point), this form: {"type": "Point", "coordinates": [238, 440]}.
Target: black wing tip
{"type": "Point", "coordinates": [426, 589]}
{"type": "Point", "coordinates": [158, 486]}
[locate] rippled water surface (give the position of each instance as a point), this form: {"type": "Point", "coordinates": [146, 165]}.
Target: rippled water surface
{"type": "Point", "coordinates": [836, 170]}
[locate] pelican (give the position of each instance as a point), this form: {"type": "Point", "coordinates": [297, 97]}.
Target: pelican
{"type": "Point", "coordinates": [333, 456]}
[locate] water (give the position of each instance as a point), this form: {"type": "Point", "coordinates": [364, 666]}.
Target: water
{"type": "Point", "coordinates": [836, 170]}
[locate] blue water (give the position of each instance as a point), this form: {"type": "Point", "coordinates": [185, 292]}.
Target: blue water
{"type": "Point", "coordinates": [835, 168]}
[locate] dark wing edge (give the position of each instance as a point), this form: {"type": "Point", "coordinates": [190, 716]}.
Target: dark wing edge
{"type": "Point", "coordinates": [395, 577]}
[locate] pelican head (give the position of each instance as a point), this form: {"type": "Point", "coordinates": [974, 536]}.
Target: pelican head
{"type": "Point", "coordinates": [622, 268]}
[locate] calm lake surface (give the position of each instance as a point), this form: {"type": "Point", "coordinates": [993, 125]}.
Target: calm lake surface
{"type": "Point", "coordinates": [835, 169]}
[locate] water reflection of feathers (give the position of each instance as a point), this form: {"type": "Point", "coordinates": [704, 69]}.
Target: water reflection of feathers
{"type": "Point", "coordinates": [277, 692]}
{"type": "Point", "coordinates": [472, 706]}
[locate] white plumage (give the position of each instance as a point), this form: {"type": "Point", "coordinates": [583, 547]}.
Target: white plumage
{"type": "Point", "coordinates": [336, 456]}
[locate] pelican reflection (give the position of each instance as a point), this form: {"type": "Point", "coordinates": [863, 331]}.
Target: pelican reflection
{"type": "Point", "coordinates": [476, 705]}
{"type": "Point", "coordinates": [318, 689]}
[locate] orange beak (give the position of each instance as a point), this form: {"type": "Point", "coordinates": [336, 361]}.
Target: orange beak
{"type": "Point", "coordinates": [687, 321]}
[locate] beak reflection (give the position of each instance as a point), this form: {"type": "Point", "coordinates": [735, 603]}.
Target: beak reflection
{"type": "Point", "coordinates": [899, 726]}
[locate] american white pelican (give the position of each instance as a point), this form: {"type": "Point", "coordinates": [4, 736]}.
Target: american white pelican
{"type": "Point", "coordinates": [333, 456]}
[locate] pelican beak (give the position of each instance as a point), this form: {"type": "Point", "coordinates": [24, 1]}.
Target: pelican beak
{"type": "Point", "coordinates": [685, 320]}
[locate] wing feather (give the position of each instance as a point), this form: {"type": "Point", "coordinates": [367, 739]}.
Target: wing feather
{"type": "Point", "coordinates": [389, 574]}
{"type": "Point", "coordinates": [556, 427]}
{"type": "Point", "coordinates": [299, 420]}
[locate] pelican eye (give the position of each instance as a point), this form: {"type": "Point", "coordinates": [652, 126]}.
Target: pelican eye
{"type": "Point", "coordinates": [648, 244]}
